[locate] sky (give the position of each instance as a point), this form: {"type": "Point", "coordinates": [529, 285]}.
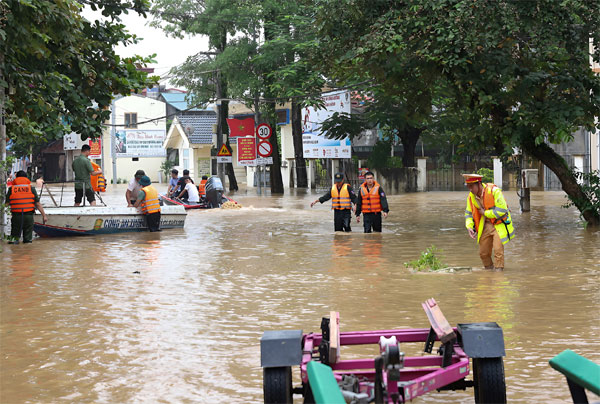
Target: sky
{"type": "Point", "coordinates": [169, 51]}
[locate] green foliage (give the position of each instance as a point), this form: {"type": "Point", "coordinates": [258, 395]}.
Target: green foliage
{"type": "Point", "coordinates": [428, 261]}
{"type": "Point", "coordinates": [501, 74]}
{"type": "Point", "coordinates": [590, 185]}
{"type": "Point", "coordinates": [488, 175]}
{"type": "Point", "coordinates": [166, 167]}
{"type": "Point", "coordinates": [60, 71]}
{"type": "Point", "coordinates": [380, 156]}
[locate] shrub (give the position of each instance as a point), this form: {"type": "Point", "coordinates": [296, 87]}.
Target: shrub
{"type": "Point", "coordinates": [428, 261]}
{"type": "Point", "coordinates": [488, 175]}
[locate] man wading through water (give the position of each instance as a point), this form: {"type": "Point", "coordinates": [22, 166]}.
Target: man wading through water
{"type": "Point", "coordinates": [342, 197]}
{"type": "Point", "coordinates": [488, 220]}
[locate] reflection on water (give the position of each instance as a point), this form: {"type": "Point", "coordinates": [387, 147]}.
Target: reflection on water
{"type": "Point", "coordinates": [79, 324]}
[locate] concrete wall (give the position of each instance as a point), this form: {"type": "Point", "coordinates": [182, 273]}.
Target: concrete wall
{"type": "Point", "coordinates": [397, 180]}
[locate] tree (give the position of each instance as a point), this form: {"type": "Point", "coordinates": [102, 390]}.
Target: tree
{"type": "Point", "coordinates": [201, 73]}
{"type": "Point", "coordinates": [62, 75]}
{"type": "Point", "coordinates": [517, 72]}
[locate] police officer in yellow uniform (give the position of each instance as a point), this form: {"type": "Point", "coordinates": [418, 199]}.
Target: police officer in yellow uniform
{"type": "Point", "coordinates": [150, 204]}
{"type": "Point", "coordinates": [488, 220]}
{"type": "Point", "coordinates": [342, 197]}
{"type": "Point", "coordinates": [23, 200]}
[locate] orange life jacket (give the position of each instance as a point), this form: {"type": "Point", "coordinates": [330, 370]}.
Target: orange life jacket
{"type": "Point", "coordinates": [151, 203]}
{"type": "Point", "coordinates": [21, 198]}
{"type": "Point", "coordinates": [371, 201]}
{"type": "Point", "coordinates": [488, 203]}
{"type": "Point", "coordinates": [202, 188]}
{"type": "Point", "coordinates": [340, 199]}
{"type": "Point", "coordinates": [98, 181]}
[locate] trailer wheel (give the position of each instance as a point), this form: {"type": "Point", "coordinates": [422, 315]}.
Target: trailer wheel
{"type": "Point", "coordinates": [277, 385]}
{"type": "Point", "coordinates": [490, 386]}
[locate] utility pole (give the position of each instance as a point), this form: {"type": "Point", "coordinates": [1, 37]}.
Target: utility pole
{"type": "Point", "coordinates": [113, 139]}
{"type": "Point", "coordinates": [256, 122]}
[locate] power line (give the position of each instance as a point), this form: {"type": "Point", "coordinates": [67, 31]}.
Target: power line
{"type": "Point", "coordinates": [261, 100]}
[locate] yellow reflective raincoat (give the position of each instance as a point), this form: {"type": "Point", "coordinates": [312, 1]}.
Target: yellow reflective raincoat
{"type": "Point", "coordinates": [496, 210]}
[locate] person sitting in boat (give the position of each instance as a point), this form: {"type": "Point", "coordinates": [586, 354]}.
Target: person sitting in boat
{"type": "Point", "coordinates": [193, 196]}
{"type": "Point", "coordinates": [134, 187]}
{"type": "Point", "coordinates": [148, 200]}
{"type": "Point", "coordinates": [173, 182]}
{"type": "Point", "coordinates": [202, 186]}
{"type": "Point", "coordinates": [181, 183]}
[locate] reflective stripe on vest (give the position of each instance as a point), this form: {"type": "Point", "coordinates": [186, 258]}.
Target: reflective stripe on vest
{"type": "Point", "coordinates": [151, 203]}
{"type": "Point", "coordinates": [501, 215]}
{"type": "Point", "coordinates": [371, 201]}
{"type": "Point", "coordinates": [21, 198]}
{"type": "Point", "coordinates": [340, 200]}
{"type": "Point", "coordinates": [98, 181]}
{"type": "Point", "coordinates": [202, 187]}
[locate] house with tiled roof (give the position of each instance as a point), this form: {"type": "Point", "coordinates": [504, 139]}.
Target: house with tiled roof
{"type": "Point", "coordinates": [189, 142]}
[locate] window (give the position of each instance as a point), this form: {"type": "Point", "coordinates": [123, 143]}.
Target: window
{"type": "Point", "coordinates": [186, 159]}
{"type": "Point", "coordinates": [131, 120]}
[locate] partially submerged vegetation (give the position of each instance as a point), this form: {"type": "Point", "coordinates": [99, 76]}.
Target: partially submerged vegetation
{"type": "Point", "coordinates": [428, 261]}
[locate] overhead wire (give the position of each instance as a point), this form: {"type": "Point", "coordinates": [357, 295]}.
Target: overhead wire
{"type": "Point", "coordinates": [261, 100]}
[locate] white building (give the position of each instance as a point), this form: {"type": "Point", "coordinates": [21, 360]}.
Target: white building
{"type": "Point", "coordinates": [135, 142]}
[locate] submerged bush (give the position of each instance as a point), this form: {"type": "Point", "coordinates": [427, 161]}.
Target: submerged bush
{"type": "Point", "coordinates": [428, 261]}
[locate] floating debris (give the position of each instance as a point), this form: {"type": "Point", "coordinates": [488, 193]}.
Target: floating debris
{"type": "Point", "coordinates": [231, 205]}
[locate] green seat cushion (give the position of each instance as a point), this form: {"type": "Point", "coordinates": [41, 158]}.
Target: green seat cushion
{"type": "Point", "coordinates": [323, 384]}
{"type": "Point", "coordinates": [578, 369]}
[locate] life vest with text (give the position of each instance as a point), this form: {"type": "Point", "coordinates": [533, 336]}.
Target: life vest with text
{"type": "Point", "coordinates": [151, 204]}
{"type": "Point", "coordinates": [340, 199]}
{"type": "Point", "coordinates": [371, 201]}
{"type": "Point", "coordinates": [21, 198]}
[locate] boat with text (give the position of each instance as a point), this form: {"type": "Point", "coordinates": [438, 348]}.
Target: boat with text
{"type": "Point", "coordinates": [88, 220]}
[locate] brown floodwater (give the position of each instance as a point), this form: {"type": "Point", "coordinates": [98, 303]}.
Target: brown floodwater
{"type": "Point", "coordinates": [78, 325]}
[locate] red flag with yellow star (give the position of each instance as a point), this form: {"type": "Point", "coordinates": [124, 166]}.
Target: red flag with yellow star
{"type": "Point", "coordinates": [241, 127]}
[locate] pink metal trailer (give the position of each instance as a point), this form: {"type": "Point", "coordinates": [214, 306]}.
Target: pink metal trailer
{"type": "Point", "coordinates": [390, 377]}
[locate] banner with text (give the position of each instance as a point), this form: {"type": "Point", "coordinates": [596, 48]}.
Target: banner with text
{"type": "Point", "coordinates": [140, 143]}
{"type": "Point", "coordinates": [246, 151]}
{"type": "Point", "coordinates": [315, 144]}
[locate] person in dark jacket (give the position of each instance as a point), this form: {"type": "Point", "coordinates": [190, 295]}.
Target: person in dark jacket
{"type": "Point", "coordinates": [372, 203]}
{"type": "Point", "coordinates": [342, 197]}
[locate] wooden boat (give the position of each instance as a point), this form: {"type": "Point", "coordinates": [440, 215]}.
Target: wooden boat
{"type": "Point", "coordinates": [80, 221]}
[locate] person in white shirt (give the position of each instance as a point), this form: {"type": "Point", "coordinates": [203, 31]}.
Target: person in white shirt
{"type": "Point", "coordinates": [134, 188]}
{"type": "Point", "coordinates": [193, 196]}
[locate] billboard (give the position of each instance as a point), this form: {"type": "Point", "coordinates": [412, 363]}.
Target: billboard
{"type": "Point", "coordinates": [315, 145]}
{"type": "Point", "coordinates": [139, 143]}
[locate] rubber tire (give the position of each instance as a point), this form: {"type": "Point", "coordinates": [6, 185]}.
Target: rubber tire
{"type": "Point", "coordinates": [490, 385]}
{"type": "Point", "coordinates": [277, 385]}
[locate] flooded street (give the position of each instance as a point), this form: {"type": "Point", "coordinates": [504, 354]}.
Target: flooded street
{"type": "Point", "coordinates": [77, 325]}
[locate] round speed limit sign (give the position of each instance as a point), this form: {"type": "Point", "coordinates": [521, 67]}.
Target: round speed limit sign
{"type": "Point", "coordinates": [264, 131]}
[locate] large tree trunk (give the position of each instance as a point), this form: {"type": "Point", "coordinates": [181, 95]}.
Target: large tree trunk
{"type": "Point", "coordinates": [222, 114]}
{"type": "Point", "coordinates": [559, 166]}
{"type": "Point", "coordinates": [233, 185]}
{"type": "Point", "coordinates": [275, 174]}
{"type": "Point", "coordinates": [3, 161]}
{"type": "Point", "coordinates": [301, 177]}
{"type": "Point", "coordinates": [409, 137]}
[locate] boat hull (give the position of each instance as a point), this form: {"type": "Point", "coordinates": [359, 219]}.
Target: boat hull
{"type": "Point", "coordinates": [82, 221]}
{"type": "Point", "coordinates": [204, 204]}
